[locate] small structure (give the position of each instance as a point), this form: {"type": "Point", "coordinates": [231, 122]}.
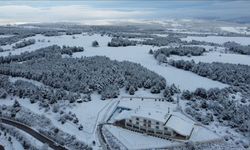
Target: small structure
{"type": "Point", "coordinates": [156, 123]}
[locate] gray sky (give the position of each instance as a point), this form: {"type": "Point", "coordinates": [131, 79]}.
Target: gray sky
{"type": "Point", "coordinates": [101, 11]}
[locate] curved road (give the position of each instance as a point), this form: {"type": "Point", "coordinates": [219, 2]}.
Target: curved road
{"type": "Point", "coordinates": [33, 133]}
{"type": "Point", "coordinates": [1, 147]}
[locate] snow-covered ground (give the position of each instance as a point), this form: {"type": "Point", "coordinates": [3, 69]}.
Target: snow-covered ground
{"type": "Point", "coordinates": [133, 140]}
{"type": "Point", "coordinates": [201, 134]}
{"type": "Point", "coordinates": [13, 145]}
{"type": "Point", "coordinates": [219, 39]}
{"type": "Point", "coordinates": [217, 57]}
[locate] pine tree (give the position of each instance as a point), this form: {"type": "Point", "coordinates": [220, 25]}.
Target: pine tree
{"type": "Point", "coordinates": [151, 52]}
{"type": "Point", "coordinates": [131, 90]}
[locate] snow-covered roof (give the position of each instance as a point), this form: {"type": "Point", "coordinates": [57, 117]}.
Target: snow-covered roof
{"type": "Point", "coordinates": [123, 115]}
{"type": "Point", "coordinates": [154, 114]}
{"type": "Point", "coordinates": [179, 125]}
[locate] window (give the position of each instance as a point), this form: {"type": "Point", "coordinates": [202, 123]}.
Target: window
{"type": "Point", "coordinates": [165, 128]}
{"type": "Point", "coordinates": [167, 133]}
{"type": "Point", "coordinates": [157, 123]}
{"type": "Point", "coordinates": [130, 120]}
{"type": "Point", "coordinates": [150, 131]}
{"type": "Point", "coordinates": [149, 125]}
{"type": "Point", "coordinates": [144, 120]}
{"type": "Point", "coordinates": [129, 125]}
{"type": "Point", "coordinates": [149, 121]}
{"type": "Point", "coordinates": [144, 124]}
{"type": "Point", "coordinates": [137, 119]}
{"type": "Point", "coordinates": [137, 122]}
{"type": "Point", "coordinates": [157, 127]}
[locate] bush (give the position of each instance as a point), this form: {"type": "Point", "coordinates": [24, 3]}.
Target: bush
{"type": "Point", "coordinates": [24, 43]}
{"type": "Point", "coordinates": [3, 93]}
{"type": "Point", "coordinates": [181, 51]}
{"type": "Point", "coordinates": [95, 44]}
{"type": "Point", "coordinates": [186, 95]}
{"type": "Point", "coordinates": [201, 92]}
{"type": "Point", "coordinates": [116, 42]}
{"type": "Point", "coordinates": [237, 48]}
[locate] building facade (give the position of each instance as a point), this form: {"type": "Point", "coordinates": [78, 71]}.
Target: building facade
{"type": "Point", "coordinates": [166, 126]}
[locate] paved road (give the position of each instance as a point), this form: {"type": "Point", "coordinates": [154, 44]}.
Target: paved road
{"type": "Point", "coordinates": [1, 147]}
{"type": "Point", "coordinates": [33, 133]}
{"type": "Point", "coordinates": [101, 138]}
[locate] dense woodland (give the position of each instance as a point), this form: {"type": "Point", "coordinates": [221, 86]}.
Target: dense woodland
{"type": "Point", "coordinates": [45, 95]}
{"type": "Point", "coordinates": [237, 48]}
{"type": "Point", "coordinates": [24, 43]}
{"type": "Point", "coordinates": [207, 105]}
{"type": "Point", "coordinates": [232, 74]}
{"type": "Point", "coordinates": [161, 41]}
{"type": "Point", "coordinates": [86, 75]}
{"type": "Point", "coordinates": [116, 42]}
{"type": "Point", "coordinates": [180, 51]}
{"type": "Point", "coordinates": [49, 51]}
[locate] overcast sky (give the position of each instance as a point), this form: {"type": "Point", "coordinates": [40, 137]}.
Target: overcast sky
{"type": "Point", "coordinates": [99, 11]}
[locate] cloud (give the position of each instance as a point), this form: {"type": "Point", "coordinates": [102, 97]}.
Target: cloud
{"type": "Point", "coordinates": [70, 13]}
{"type": "Point", "coordinates": [101, 11]}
